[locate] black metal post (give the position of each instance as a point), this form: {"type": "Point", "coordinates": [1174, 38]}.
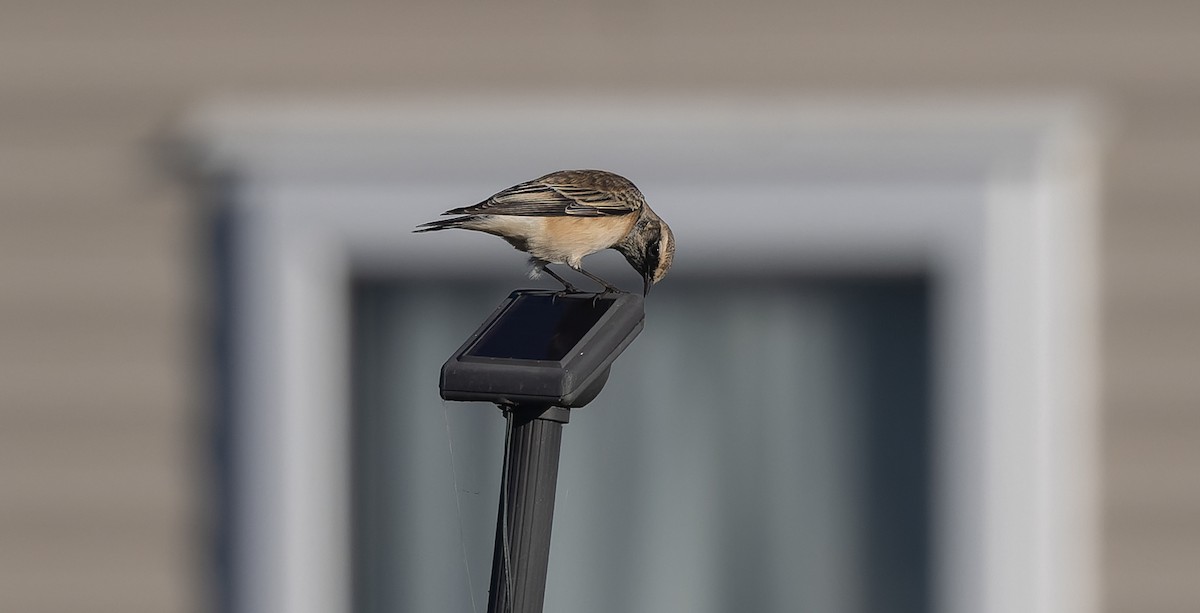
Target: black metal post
{"type": "Point", "coordinates": [522, 556]}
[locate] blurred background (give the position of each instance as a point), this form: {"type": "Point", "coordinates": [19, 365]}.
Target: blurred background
{"type": "Point", "coordinates": [109, 483]}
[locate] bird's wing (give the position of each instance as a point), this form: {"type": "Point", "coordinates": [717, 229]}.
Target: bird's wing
{"type": "Point", "coordinates": [547, 198]}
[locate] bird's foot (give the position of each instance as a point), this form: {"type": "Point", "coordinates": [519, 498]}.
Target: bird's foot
{"type": "Point", "coordinates": [567, 290]}
{"type": "Point", "coordinates": [608, 290]}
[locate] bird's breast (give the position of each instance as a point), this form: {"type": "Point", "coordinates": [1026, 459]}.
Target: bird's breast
{"type": "Point", "coordinates": [557, 239]}
{"type": "Point", "coordinates": [569, 239]}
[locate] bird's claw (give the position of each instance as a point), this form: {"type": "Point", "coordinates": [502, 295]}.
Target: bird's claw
{"type": "Point", "coordinates": [608, 289]}
{"type": "Point", "coordinates": [566, 290]}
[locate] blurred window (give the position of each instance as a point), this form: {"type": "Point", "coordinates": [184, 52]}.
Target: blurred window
{"type": "Point", "coordinates": [762, 446]}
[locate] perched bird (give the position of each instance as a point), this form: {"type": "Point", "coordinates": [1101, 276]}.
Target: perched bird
{"type": "Point", "coordinates": [566, 215]}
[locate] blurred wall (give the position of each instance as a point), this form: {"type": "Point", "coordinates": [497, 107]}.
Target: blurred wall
{"type": "Point", "coordinates": [102, 480]}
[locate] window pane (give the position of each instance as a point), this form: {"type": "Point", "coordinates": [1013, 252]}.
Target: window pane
{"type": "Point", "coordinates": [761, 446]}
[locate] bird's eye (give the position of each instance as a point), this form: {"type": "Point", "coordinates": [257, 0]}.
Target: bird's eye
{"type": "Point", "coordinates": [654, 251]}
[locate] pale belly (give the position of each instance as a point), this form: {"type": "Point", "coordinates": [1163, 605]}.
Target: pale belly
{"type": "Point", "coordinates": [558, 240]}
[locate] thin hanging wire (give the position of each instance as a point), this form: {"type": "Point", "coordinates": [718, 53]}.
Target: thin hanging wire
{"type": "Point", "coordinates": [462, 537]}
{"type": "Point", "coordinates": [508, 429]}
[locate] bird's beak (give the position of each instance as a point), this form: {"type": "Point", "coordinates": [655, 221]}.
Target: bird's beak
{"type": "Point", "coordinates": [647, 280]}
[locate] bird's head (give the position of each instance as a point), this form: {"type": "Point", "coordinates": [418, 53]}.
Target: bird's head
{"type": "Point", "coordinates": [649, 248]}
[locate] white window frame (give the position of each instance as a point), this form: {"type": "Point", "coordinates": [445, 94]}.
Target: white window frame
{"type": "Point", "coordinates": [1015, 293]}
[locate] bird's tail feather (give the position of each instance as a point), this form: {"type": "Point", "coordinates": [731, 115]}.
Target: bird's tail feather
{"type": "Point", "coordinates": [441, 224]}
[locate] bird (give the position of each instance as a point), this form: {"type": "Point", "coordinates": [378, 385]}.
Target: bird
{"type": "Point", "coordinates": [564, 216]}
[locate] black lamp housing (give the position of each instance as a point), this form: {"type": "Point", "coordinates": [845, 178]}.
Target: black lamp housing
{"type": "Point", "coordinates": [544, 348]}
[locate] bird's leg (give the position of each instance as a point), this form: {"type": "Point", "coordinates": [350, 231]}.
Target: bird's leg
{"type": "Point", "coordinates": [608, 287]}
{"type": "Point", "coordinates": [567, 287]}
